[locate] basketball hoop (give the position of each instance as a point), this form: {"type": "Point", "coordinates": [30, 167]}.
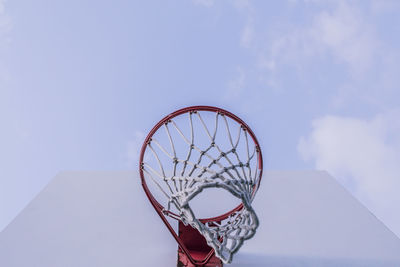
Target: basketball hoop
{"type": "Point", "coordinates": [179, 160]}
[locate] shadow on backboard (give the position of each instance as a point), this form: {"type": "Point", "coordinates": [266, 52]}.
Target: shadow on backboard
{"type": "Point", "coordinates": [254, 259]}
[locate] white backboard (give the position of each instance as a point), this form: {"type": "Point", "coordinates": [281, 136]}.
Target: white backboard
{"type": "Point", "coordinates": [85, 219]}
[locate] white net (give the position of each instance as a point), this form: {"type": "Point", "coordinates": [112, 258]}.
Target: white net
{"type": "Point", "coordinates": [183, 160]}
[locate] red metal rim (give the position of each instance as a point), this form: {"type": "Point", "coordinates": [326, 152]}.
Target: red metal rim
{"type": "Point", "coordinates": [183, 111]}
{"type": "Point", "coordinates": [157, 206]}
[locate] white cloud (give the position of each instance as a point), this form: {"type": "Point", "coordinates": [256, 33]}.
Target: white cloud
{"type": "Point", "coordinates": [379, 6]}
{"type": "Point", "coordinates": [248, 31]}
{"type": "Point", "coordinates": [247, 35]}
{"type": "Point", "coordinates": [347, 34]}
{"type": "Point", "coordinates": [205, 3]}
{"type": "Point", "coordinates": [364, 155]}
{"type": "Point", "coordinates": [236, 85]}
{"type": "Point", "coordinates": [348, 41]}
{"type": "Point", "coordinates": [5, 24]}
{"type": "Point", "coordinates": [133, 148]}
{"type": "Point", "coordinates": [341, 32]}
{"type": "Point", "coordinates": [338, 32]}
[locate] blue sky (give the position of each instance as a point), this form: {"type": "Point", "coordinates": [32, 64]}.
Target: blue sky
{"type": "Point", "coordinates": [81, 83]}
